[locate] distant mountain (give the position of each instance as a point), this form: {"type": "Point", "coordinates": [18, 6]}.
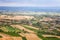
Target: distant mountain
{"type": "Point", "coordinates": [32, 9]}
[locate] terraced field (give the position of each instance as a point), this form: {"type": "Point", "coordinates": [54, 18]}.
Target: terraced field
{"type": "Point", "coordinates": [10, 34]}
{"type": "Point", "coordinates": [29, 36]}
{"type": "Point", "coordinates": [24, 32]}
{"type": "Point", "coordinates": [40, 35]}
{"type": "Point", "coordinates": [22, 28]}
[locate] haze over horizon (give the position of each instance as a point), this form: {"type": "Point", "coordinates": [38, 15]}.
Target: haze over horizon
{"type": "Point", "coordinates": [30, 3]}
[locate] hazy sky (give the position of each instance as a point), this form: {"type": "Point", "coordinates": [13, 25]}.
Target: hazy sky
{"type": "Point", "coordinates": [33, 3]}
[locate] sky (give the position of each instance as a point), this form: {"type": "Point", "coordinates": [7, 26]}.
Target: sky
{"type": "Point", "coordinates": [30, 3]}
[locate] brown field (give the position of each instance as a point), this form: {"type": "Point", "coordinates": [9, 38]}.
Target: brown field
{"type": "Point", "coordinates": [11, 38]}
{"type": "Point", "coordinates": [15, 17]}
{"type": "Point", "coordinates": [32, 37]}
{"type": "Point", "coordinates": [20, 27]}
{"type": "Point", "coordinates": [4, 35]}
{"type": "Point", "coordinates": [7, 37]}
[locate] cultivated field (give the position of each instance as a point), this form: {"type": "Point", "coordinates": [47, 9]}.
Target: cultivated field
{"type": "Point", "coordinates": [29, 36]}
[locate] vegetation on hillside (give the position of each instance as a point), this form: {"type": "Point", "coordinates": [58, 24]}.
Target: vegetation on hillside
{"type": "Point", "coordinates": [10, 30]}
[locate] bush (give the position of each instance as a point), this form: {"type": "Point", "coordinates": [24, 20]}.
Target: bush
{"type": "Point", "coordinates": [0, 36]}
{"type": "Point", "coordinates": [1, 30]}
{"type": "Point", "coordinates": [23, 38]}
